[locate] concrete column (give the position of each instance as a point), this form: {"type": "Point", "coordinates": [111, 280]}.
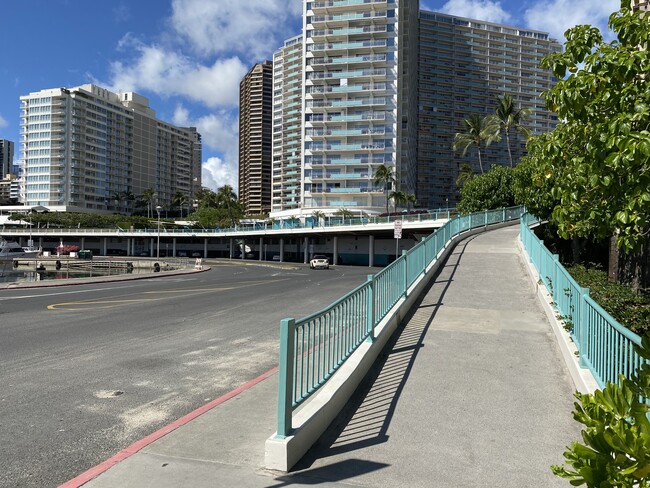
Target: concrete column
{"type": "Point", "coordinates": [261, 247]}
{"type": "Point", "coordinates": [152, 252]}
{"type": "Point", "coordinates": [335, 253]}
{"type": "Point", "coordinates": [40, 242]}
{"type": "Point", "coordinates": [128, 246]}
{"type": "Point", "coordinates": [174, 247]}
{"type": "Point", "coordinates": [232, 247]}
{"type": "Point", "coordinates": [281, 249]}
{"type": "Point", "coordinates": [83, 243]}
{"type": "Point", "coordinates": [205, 248]}
{"type": "Point", "coordinates": [306, 251]}
{"type": "Point", "coordinates": [371, 251]}
{"type": "Point", "coordinates": [243, 249]}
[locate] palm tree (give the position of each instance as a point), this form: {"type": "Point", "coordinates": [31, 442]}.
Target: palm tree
{"type": "Point", "coordinates": [479, 131]}
{"type": "Point", "coordinates": [398, 197]}
{"type": "Point", "coordinates": [464, 175]}
{"type": "Point", "coordinates": [179, 200]}
{"type": "Point", "coordinates": [317, 215]}
{"type": "Point", "coordinates": [117, 198]}
{"type": "Point", "coordinates": [148, 197]}
{"type": "Point", "coordinates": [410, 199]}
{"type": "Point", "coordinates": [129, 197]}
{"type": "Point", "coordinates": [384, 178]}
{"type": "Point", "coordinates": [227, 197]}
{"type": "Point", "coordinates": [344, 212]}
{"type": "Point", "coordinates": [508, 117]}
{"type": "Point", "coordinates": [206, 198]}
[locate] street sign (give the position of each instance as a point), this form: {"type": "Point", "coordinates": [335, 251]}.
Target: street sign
{"type": "Point", "coordinates": [397, 229]}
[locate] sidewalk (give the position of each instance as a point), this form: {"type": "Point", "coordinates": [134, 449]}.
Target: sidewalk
{"type": "Point", "coordinates": [473, 393]}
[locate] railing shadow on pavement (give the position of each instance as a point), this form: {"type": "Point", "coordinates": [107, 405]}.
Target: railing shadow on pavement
{"type": "Point", "coordinates": [367, 417]}
{"type": "Point", "coordinates": [328, 474]}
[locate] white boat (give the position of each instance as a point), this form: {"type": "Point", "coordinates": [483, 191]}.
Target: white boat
{"type": "Point", "coordinates": [11, 249]}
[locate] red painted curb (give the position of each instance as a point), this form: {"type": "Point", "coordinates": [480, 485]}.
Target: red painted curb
{"type": "Point", "coordinates": [126, 453]}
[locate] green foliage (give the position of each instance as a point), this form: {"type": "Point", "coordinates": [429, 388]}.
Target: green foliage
{"type": "Point", "coordinates": [488, 191]}
{"type": "Point", "coordinates": [616, 436]}
{"type": "Point", "coordinates": [344, 212]}
{"type": "Point", "coordinates": [71, 220]}
{"type": "Point", "coordinates": [533, 183]}
{"type": "Point", "coordinates": [210, 218]}
{"type": "Point", "coordinates": [599, 156]}
{"type": "Point", "coordinates": [224, 199]}
{"type": "Point", "coordinates": [629, 308]}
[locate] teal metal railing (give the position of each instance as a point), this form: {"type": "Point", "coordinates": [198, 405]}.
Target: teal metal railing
{"type": "Point", "coordinates": [314, 347]}
{"type": "Point", "coordinates": [604, 345]}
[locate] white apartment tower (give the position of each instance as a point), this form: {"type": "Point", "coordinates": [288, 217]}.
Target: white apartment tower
{"type": "Point", "coordinates": [287, 127]}
{"type": "Point", "coordinates": [379, 82]}
{"type": "Point", "coordinates": [86, 148]}
{"type": "Point", "coordinates": [357, 111]}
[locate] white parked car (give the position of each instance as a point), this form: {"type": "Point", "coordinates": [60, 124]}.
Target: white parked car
{"type": "Point", "coordinates": [319, 261]}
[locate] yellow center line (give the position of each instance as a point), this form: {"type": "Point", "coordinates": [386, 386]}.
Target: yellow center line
{"type": "Point", "coordinates": [115, 302]}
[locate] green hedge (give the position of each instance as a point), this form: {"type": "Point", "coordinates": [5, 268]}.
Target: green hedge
{"type": "Point", "coordinates": [629, 308]}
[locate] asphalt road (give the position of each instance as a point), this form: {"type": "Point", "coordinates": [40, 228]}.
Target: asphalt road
{"type": "Point", "coordinates": [87, 370]}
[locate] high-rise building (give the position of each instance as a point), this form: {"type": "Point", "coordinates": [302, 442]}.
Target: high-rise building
{"type": "Point", "coordinates": [464, 65]}
{"type": "Point", "coordinates": [380, 82]}
{"type": "Point", "coordinates": [255, 130]}
{"type": "Point", "coordinates": [6, 158]}
{"type": "Point", "coordinates": [287, 126]}
{"type": "Point", "coordinates": [87, 148]}
{"type": "Point", "coordinates": [359, 93]}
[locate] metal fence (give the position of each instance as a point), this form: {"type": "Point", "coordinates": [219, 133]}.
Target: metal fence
{"type": "Point", "coordinates": [604, 345]}
{"type": "Point", "coordinates": [314, 347]}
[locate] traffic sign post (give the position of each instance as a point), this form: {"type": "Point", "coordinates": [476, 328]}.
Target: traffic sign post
{"type": "Point", "coordinates": [397, 232]}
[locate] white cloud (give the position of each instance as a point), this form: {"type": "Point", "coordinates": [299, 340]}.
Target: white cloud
{"type": "Point", "coordinates": [216, 172]}
{"type": "Point", "coordinates": [252, 28]}
{"type": "Point", "coordinates": [486, 10]}
{"type": "Point", "coordinates": [168, 73]}
{"type": "Point", "coordinates": [556, 16]}
{"type": "Point", "coordinates": [3, 122]}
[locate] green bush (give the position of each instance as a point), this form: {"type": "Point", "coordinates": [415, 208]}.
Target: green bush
{"type": "Point", "coordinates": [615, 448]}
{"type": "Point", "coordinates": [629, 308]}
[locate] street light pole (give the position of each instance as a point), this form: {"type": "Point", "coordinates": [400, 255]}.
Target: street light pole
{"type": "Point", "coordinates": [158, 209]}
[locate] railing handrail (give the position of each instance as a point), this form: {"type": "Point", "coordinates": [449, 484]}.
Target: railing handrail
{"type": "Point", "coordinates": [336, 331]}
{"type": "Point", "coordinates": [604, 345]}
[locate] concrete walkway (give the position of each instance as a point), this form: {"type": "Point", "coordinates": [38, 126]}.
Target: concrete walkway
{"type": "Point", "coordinates": [472, 392]}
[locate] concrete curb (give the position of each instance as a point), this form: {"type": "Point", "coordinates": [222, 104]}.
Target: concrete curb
{"type": "Point", "coordinates": [102, 279]}
{"type": "Point", "coordinates": [582, 378]}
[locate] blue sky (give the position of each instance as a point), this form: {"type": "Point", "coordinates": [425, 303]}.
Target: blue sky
{"type": "Point", "coordinates": [188, 56]}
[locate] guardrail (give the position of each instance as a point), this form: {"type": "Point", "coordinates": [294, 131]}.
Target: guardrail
{"type": "Point", "coordinates": [310, 222]}
{"type": "Point", "coordinates": [314, 347]}
{"type": "Point", "coordinates": [604, 345]}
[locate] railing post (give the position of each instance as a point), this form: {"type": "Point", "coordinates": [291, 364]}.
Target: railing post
{"type": "Point", "coordinates": [582, 327]}
{"type": "Point", "coordinates": [406, 273]}
{"type": "Point", "coordinates": [424, 250]}
{"type": "Point", "coordinates": [285, 377]}
{"type": "Point", "coordinates": [370, 309]}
